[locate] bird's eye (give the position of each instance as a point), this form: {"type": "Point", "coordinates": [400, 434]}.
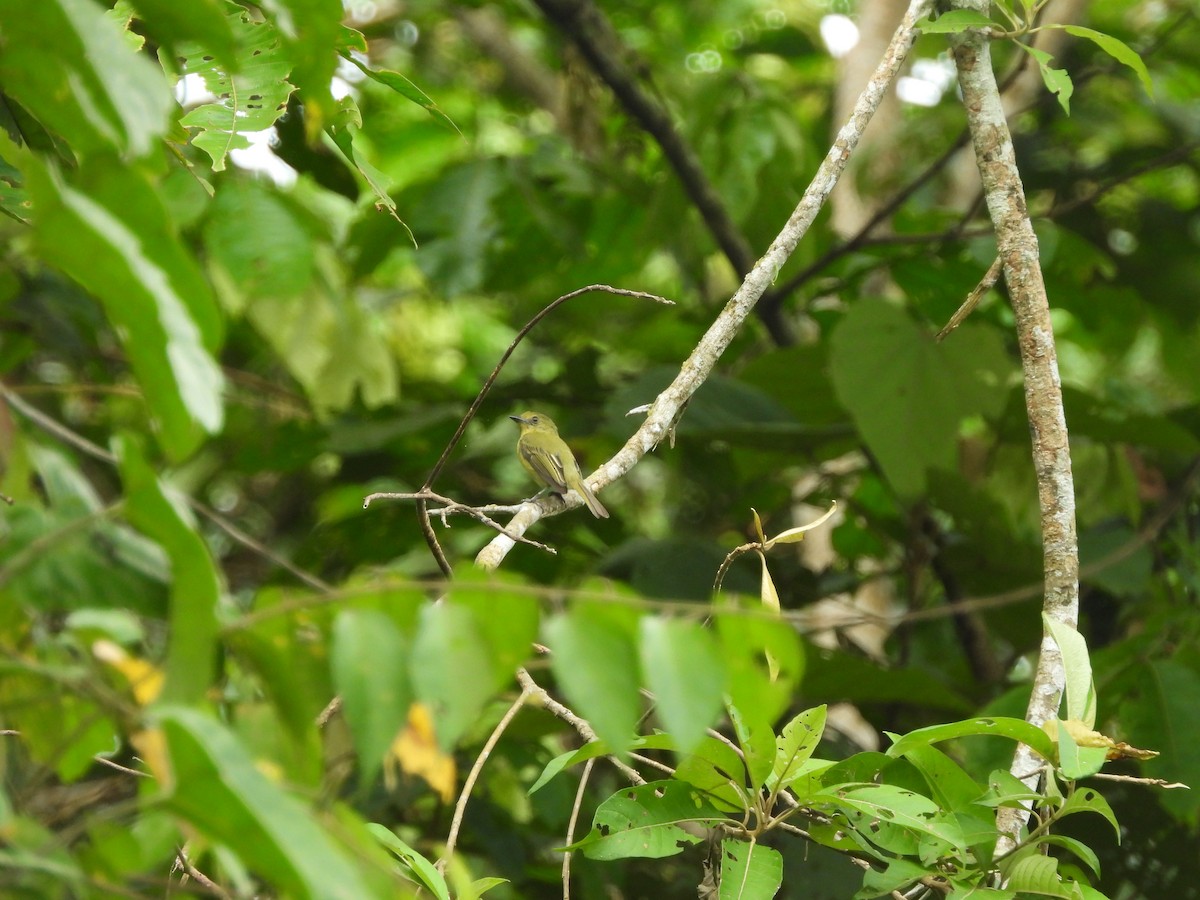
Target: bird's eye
{"type": "Point", "coordinates": [533, 419]}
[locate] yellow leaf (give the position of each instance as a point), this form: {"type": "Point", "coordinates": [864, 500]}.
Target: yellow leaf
{"type": "Point", "coordinates": [416, 752]}
{"type": "Point", "coordinates": [145, 679]}
{"type": "Point", "coordinates": [770, 599]}
{"type": "Point", "coordinates": [795, 535]}
{"type": "Point", "coordinates": [1086, 737]}
{"type": "Point", "coordinates": [151, 745]}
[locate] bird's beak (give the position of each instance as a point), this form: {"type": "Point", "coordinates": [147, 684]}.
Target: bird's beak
{"type": "Point", "coordinates": [518, 419]}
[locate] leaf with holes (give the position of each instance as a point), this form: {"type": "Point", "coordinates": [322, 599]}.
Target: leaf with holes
{"type": "Point", "coordinates": [250, 100]}
{"type": "Point", "coordinates": [648, 821]}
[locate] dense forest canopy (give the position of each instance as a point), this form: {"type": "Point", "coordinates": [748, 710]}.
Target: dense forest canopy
{"type": "Point", "coordinates": [264, 261]}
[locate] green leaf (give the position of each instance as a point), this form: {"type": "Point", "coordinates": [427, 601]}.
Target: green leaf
{"type": "Point", "coordinates": [109, 232]}
{"type": "Point", "coordinates": [955, 21]}
{"type": "Point", "coordinates": [311, 30]}
{"type": "Point", "coordinates": [897, 874]}
{"type": "Point", "coordinates": [951, 786]}
{"type": "Point", "coordinates": [403, 86]}
{"type": "Point", "coordinates": [645, 821]}
{"type": "Point", "coordinates": [161, 514]}
{"type": "Point", "coordinates": [219, 790]}
{"type": "Point", "coordinates": [1085, 853]}
{"type": "Point", "coordinates": [717, 770]}
{"type": "Point", "coordinates": [870, 808]}
{"type": "Point", "coordinates": [1005, 789]}
{"type": "Point", "coordinates": [369, 659]}
{"type": "Point", "coordinates": [980, 893]}
{"type": "Point", "coordinates": [202, 21]}
{"type": "Point", "coordinates": [1057, 81]}
{"type": "Point", "coordinates": [908, 394]}
{"type": "Point", "coordinates": [69, 65]}
{"type": "Point", "coordinates": [479, 887]}
{"type": "Point", "coordinates": [749, 871]}
{"type": "Point", "coordinates": [993, 726]}
{"type": "Point", "coordinates": [795, 744]}
{"type": "Point", "coordinates": [747, 642]}
{"type": "Point", "coordinates": [249, 98]}
{"type": "Point", "coordinates": [341, 132]}
{"type": "Point", "coordinates": [1090, 800]}
{"type": "Point", "coordinates": [683, 669]}
{"type": "Point", "coordinates": [450, 669]}
{"type": "Point", "coordinates": [1117, 49]}
{"type": "Point", "coordinates": [420, 866]}
{"type": "Point", "coordinates": [595, 662]}
{"type": "Point", "coordinates": [1076, 762]}
{"type": "Point", "coordinates": [756, 737]}
{"type": "Point", "coordinates": [594, 749]}
{"type": "Point", "coordinates": [332, 346]}
{"type": "Point", "coordinates": [1038, 875]}
{"type": "Point", "coordinates": [260, 245]}
{"type": "Point", "coordinates": [506, 616]}
{"type": "Point", "coordinates": [845, 676]}
{"type": "Point", "coordinates": [1080, 689]}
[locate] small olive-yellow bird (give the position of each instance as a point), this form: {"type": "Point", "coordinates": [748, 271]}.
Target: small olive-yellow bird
{"type": "Point", "coordinates": [550, 461]}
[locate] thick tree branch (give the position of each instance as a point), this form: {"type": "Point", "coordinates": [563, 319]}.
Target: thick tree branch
{"type": "Point", "coordinates": [1018, 248]}
{"type": "Point", "coordinates": [668, 406]}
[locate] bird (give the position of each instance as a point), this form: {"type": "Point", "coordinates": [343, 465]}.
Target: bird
{"type": "Point", "coordinates": [546, 457]}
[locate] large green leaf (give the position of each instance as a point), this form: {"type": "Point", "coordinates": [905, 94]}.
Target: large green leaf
{"type": "Point", "coordinates": [218, 789]}
{"type": "Point", "coordinates": [989, 726]}
{"type": "Point", "coordinates": [506, 615]}
{"type": "Point", "coordinates": [595, 661]}
{"type": "Point", "coordinates": [248, 98]}
{"type": "Point", "coordinates": [370, 671]}
{"type": "Point", "coordinates": [796, 744]}
{"type": "Point", "coordinates": [749, 871]}
{"type": "Point", "coordinates": [313, 31]}
{"type": "Point", "coordinates": [451, 670]}
{"type": "Point", "coordinates": [69, 65]}
{"type": "Point", "coordinates": [908, 394]}
{"type": "Point", "coordinates": [715, 768]}
{"type": "Point", "coordinates": [647, 821]}
{"type": "Point", "coordinates": [203, 21]}
{"type": "Point", "coordinates": [259, 245]}
{"type": "Point", "coordinates": [108, 230]}
{"type": "Point", "coordinates": [162, 515]}
{"type": "Point", "coordinates": [683, 669]}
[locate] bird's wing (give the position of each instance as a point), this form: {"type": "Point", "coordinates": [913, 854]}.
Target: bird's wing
{"type": "Point", "coordinates": [549, 469]}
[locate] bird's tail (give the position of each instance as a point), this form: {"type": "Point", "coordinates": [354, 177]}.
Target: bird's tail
{"type": "Point", "coordinates": [593, 503]}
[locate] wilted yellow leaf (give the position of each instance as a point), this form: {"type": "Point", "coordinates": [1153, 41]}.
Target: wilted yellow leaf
{"type": "Point", "coordinates": [145, 679]}
{"type": "Point", "coordinates": [416, 752]}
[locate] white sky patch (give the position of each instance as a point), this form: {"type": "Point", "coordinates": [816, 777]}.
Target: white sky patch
{"type": "Point", "coordinates": [930, 79]}
{"type": "Point", "coordinates": [917, 91]}
{"type": "Point", "coordinates": [839, 33]}
{"type": "Point", "coordinates": [260, 158]}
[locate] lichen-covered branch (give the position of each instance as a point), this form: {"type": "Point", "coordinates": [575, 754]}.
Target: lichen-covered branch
{"type": "Point", "coordinates": [1018, 249]}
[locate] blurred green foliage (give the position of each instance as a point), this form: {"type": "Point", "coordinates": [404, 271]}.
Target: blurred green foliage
{"type": "Point", "coordinates": [206, 367]}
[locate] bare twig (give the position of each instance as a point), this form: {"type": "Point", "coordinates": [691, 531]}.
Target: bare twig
{"type": "Point", "coordinates": [460, 808]}
{"type": "Point", "coordinates": [566, 866]}
{"type": "Point", "coordinates": [1149, 782]}
{"type": "Point", "coordinates": [960, 315]}
{"type": "Point", "coordinates": [453, 506]}
{"type": "Point", "coordinates": [665, 409]}
{"type": "Point", "coordinates": [581, 726]}
{"type": "Point", "coordinates": [1018, 248]}
{"type": "Point", "coordinates": [184, 864]}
